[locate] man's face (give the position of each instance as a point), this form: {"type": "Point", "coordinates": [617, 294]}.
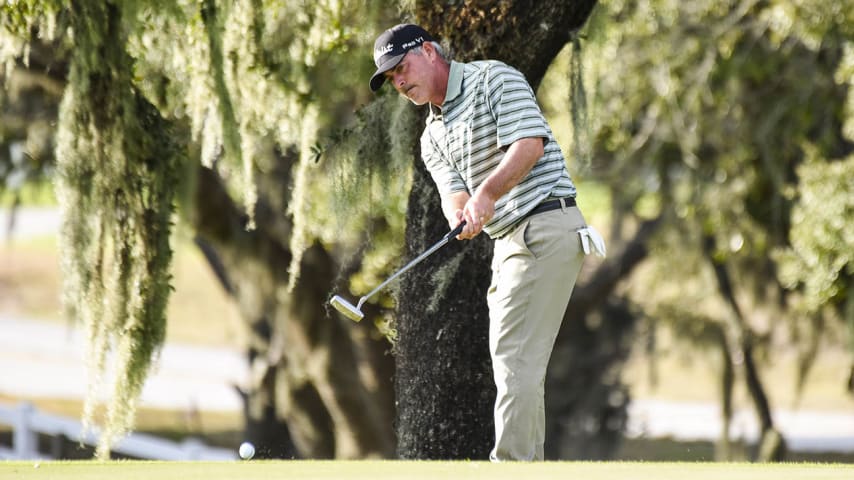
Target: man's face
{"type": "Point", "coordinates": [413, 76]}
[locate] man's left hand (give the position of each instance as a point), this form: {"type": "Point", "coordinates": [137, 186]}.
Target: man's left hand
{"type": "Point", "coordinates": [477, 212]}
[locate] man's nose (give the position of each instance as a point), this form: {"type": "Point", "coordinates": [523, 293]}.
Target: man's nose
{"type": "Point", "coordinates": [397, 80]}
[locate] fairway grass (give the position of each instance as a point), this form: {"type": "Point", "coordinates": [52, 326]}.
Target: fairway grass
{"type": "Point", "coordinates": [414, 470]}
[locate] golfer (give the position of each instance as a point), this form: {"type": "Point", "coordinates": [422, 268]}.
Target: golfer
{"type": "Point", "coordinates": [497, 166]}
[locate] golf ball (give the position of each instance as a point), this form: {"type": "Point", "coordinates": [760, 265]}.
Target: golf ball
{"type": "Point", "coordinates": [246, 450]}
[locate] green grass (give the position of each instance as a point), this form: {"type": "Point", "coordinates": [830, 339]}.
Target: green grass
{"type": "Point", "coordinates": [31, 194]}
{"type": "Point", "coordinates": [411, 470]}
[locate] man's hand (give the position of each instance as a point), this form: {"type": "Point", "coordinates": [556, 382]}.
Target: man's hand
{"type": "Point", "coordinates": [477, 212]}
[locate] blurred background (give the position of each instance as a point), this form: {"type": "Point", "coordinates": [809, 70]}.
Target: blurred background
{"type": "Point", "coordinates": [186, 183]}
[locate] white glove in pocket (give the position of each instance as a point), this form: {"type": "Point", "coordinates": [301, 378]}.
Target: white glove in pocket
{"type": "Point", "coordinates": [592, 241]}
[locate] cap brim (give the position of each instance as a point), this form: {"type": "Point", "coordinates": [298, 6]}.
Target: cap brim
{"type": "Point", "coordinates": [378, 77]}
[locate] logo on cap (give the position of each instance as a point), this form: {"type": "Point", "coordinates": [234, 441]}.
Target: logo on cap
{"type": "Point", "coordinates": [379, 52]}
{"type": "Point", "coordinates": [408, 45]}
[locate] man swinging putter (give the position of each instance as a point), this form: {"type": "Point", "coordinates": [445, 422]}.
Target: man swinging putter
{"type": "Point", "coordinates": [498, 168]}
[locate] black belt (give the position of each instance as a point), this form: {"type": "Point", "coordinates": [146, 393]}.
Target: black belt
{"type": "Point", "coordinates": [550, 205]}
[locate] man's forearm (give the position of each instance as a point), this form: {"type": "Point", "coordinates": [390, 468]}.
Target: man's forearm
{"type": "Point", "coordinates": [520, 158]}
{"type": "Point", "coordinates": [478, 209]}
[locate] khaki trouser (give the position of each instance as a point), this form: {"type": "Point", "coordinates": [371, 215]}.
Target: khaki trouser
{"type": "Point", "coordinates": [534, 270]}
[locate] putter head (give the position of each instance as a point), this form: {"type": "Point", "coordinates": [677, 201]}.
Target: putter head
{"type": "Point", "coordinates": [346, 308]}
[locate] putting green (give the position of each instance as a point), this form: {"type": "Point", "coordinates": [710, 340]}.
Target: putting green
{"type": "Point", "coordinates": [411, 470]}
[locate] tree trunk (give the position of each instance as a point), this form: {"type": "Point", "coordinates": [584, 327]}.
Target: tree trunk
{"type": "Point", "coordinates": [772, 445]}
{"type": "Point", "coordinates": [444, 385]}
{"type": "Point", "coordinates": [723, 449]}
{"type": "Point", "coordinates": [527, 35]}
{"type": "Point", "coordinates": [306, 394]}
{"type": "Point", "coordinates": [586, 399]}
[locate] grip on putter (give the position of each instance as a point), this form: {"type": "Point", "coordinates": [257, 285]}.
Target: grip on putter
{"type": "Point", "coordinates": [456, 231]}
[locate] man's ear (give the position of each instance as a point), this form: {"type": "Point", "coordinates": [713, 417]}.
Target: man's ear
{"type": "Point", "coordinates": [429, 49]}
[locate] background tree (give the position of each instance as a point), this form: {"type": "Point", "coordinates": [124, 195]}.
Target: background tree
{"type": "Point", "coordinates": [712, 133]}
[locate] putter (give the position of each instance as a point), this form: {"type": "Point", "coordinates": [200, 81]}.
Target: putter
{"type": "Point", "coordinates": [355, 312]}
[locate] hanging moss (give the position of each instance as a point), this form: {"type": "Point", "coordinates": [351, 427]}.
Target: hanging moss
{"type": "Point", "coordinates": [375, 150]}
{"type": "Point", "coordinates": [367, 166]}
{"type": "Point", "coordinates": [243, 75]}
{"type": "Point", "coordinates": [116, 179]}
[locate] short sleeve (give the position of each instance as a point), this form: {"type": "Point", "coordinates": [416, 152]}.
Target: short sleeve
{"type": "Point", "coordinates": [514, 106]}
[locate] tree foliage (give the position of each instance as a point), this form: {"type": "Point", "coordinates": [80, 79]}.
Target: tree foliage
{"type": "Point", "coordinates": [819, 259]}
{"type": "Point", "coordinates": [702, 112]}
{"type": "Point", "coordinates": [717, 127]}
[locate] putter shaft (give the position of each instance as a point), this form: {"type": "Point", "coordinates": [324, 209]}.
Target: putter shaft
{"type": "Point", "coordinates": [355, 313]}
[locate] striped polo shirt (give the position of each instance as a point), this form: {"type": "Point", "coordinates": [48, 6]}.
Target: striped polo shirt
{"type": "Point", "coordinates": [488, 106]}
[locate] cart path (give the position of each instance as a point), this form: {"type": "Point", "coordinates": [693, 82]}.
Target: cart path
{"type": "Point", "coordinates": [46, 360]}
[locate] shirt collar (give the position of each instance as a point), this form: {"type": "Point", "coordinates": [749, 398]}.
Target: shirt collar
{"type": "Point", "coordinates": [455, 81]}
{"type": "Point", "coordinates": [455, 87]}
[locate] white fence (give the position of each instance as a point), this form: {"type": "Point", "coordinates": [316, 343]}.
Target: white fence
{"type": "Point", "coordinates": [27, 423]}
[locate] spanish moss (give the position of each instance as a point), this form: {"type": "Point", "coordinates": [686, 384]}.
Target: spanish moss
{"type": "Point", "coordinates": [116, 177]}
